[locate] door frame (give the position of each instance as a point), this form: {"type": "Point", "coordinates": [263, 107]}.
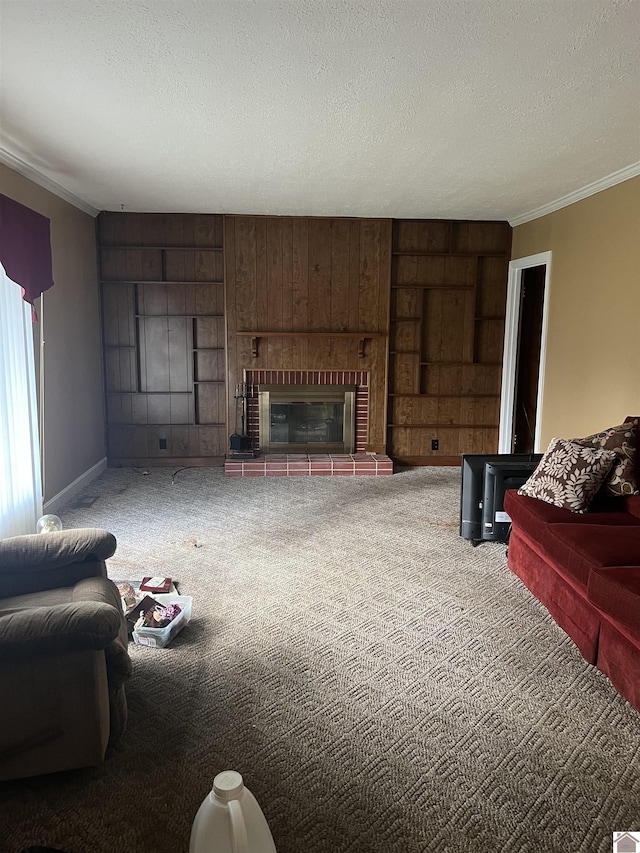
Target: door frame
{"type": "Point", "coordinates": [510, 355]}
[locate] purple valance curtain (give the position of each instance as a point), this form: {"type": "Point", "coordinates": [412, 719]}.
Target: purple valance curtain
{"type": "Point", "coordinates": [25, 247]}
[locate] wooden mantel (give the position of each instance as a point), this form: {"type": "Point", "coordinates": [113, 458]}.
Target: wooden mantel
{"type": "Point", "coordinates": [361, 336]}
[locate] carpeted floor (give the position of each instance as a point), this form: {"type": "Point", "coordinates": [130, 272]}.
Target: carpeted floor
{"type": "Point", "coordinates": [382, 686]}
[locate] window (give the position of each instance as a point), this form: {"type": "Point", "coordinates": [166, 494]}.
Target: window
{"type": "Point", "coordinates": [20, 479]}
{"type": "Point", "coordinates": [25, 273]}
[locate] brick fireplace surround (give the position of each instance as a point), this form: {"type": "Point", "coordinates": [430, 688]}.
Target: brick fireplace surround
{"type": "Point", "coordinates": [359, 463]}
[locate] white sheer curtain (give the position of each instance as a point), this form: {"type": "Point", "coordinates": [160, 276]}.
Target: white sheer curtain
{"type": "Point", "coordinates": [20, 480]}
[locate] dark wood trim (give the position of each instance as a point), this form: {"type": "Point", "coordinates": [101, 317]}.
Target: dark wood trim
{"type": "Point", "coordinates": [168, 462]}
{"type": "Point", "coordinates": [423, 461]}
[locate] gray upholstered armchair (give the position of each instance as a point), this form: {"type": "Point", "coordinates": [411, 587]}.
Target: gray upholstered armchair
{"type": "Point", "coordinates": [63, 652]}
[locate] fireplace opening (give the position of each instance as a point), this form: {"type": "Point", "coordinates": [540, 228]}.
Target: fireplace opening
{"type": "Point", "coordinates": [298, 418]}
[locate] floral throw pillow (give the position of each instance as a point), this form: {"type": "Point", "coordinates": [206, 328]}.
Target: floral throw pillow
{"type": "Point", "coordinates": [622, 440]}
{"type": "Point", "coordinates": [569, 475]}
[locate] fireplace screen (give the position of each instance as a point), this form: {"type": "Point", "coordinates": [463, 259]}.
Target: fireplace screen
{"type": "Point", "coordinates": [295, 418]}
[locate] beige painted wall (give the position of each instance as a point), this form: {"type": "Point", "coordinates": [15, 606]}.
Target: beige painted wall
{"type": "Point", "coordinates": [73, 390]}
{"type": "Point", "coordinates": [592, 377]}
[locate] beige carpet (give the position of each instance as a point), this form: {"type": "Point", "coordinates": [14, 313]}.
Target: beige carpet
{"type": "Point", "coordinates": [382, 686]}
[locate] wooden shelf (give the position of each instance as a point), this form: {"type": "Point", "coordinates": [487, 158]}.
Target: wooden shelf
{"type": "Point", "coordinates": [461, 363]}
{"type": "Point", "coordinates": [406, 319]}
{"type": "Point", "coordinates": [208, 349]}
{"type": "Point", "coordinates": [443, 426]}
{"type": "Point", "coordinates": [432, 286]}
{"type": "Point", "coordinates": [360, 336]}
{"type": "Point", "coordinates": [179, 316]}
{"type": "Point", "coordinates": [120, 247]}
{"type": "Point", "coordinates": [208, 381]}
{"type": "Point", "coordinates": [448, 396]}
{"type": "Point", "coordinates": [158, 281]}
{"type": "Point", "coordinates": [425, 254]}
{"type": "Point", "coordinates": [311, 334]}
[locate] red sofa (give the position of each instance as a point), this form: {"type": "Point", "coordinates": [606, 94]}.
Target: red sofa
{"type": "Point", "coordinates": [585, 569]}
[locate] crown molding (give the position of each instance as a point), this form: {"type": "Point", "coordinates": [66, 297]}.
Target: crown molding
{"type": "Point", "coordinates": [37, 177]}
{"type": "Point", "coordinates": [611, 180]}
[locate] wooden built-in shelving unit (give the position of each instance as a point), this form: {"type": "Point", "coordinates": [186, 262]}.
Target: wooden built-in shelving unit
{"type": "Point", "coordinates": [162, 287]}
{"type": "Point", "coordinates": [448, 296]}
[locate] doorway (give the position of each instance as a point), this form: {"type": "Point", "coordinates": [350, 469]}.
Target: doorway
{"type": "Point", "coordinates": [524, 354]}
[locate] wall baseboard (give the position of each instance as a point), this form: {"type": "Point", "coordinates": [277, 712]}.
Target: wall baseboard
{"type": "Point", "coordinates": [70, 491]}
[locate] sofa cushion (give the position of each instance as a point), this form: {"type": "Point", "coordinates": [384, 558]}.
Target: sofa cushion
{"type": "Point", "coordinates": [577, 549]}
{"type": "Point", "coordinates": [533, 516]}
{"type": "Point", "coordinates": [569, 475]}
{"type": "Point", "coordinates": [622, 440]}
{"type": "Point", "coordinates": [616, 591]}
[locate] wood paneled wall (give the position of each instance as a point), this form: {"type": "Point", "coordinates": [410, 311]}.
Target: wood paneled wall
{"type": "Point", "coordinates": [309, 276]}
{"type": "Point", "coordinates": [448, 301]}
{"type": "Point", "coordinates": [192, 301]}
{"type": "Point", "coordinates": [162, 287]}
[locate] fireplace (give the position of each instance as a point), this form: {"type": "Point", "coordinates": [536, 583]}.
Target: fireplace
{"type": "Point", "coordinates": [311, 418]}
{"type": "Point", "coordinates": [285, 457]}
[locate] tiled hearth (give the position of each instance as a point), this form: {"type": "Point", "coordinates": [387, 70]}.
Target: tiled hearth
{"type": "Point", "coordinates": [314, 464]}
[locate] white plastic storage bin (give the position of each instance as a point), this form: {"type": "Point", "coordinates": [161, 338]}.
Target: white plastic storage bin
{"type": "Point", "coordinates": [161, 637]}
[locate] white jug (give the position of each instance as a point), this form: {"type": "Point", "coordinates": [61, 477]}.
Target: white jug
{"type": "Point", "coordinates": [230, 820]}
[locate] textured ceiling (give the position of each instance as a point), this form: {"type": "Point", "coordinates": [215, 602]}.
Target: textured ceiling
{"type": "Point", "coordinates": [405, 108]}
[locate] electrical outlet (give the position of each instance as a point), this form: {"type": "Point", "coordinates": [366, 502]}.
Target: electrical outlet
{"type": "Point", "coordinates": [162, 442]}
{"type": "Point", "coordinates": [435, 444]}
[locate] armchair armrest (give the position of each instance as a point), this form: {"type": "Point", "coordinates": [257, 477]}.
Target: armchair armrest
{"type": "Point", "coordinates": [44, 561]}
{"type": "Point", "coordinates": [58, 628]}
{"type": "Point", "coordinates": [79, 625]}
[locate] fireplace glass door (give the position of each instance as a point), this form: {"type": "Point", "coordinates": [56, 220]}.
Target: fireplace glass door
{"type": "Point", "coordinates": [313, 418]}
